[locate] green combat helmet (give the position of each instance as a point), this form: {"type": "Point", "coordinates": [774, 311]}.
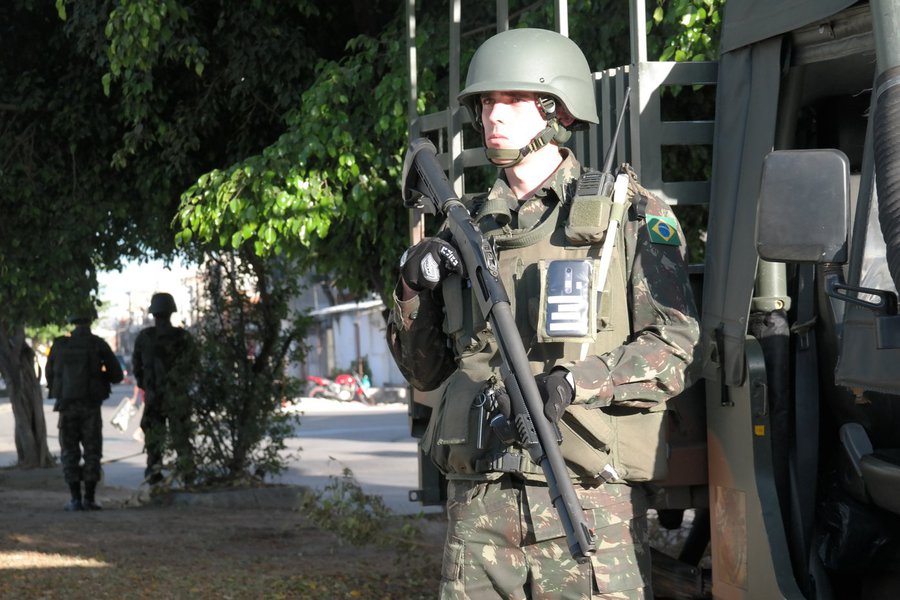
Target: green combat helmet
{"type": "Point", "coordinates": [82, 315]}
{"type": "Point", "coordinates": [162, 303]}
{"type": "Point", "coordinates": [532, 60]}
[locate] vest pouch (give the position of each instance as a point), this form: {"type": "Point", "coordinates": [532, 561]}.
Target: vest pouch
{"type": "Point", "coordinates": [451, 293]}
{"type": "Point", "coordinates": [80, 370]}
{"type": "Point", "coordinates": [585, 436]}
{"type": "Point", "coordinates": [631, 440]}
{"type": "Point", "coordinates": [640, 450]}
{"type": "Point", "coordinates": [568, 301]}
{"type": "Point", "coordinates": [452, 430]}
{"type": "Point", "coordinates": [462, 318]}
{"type": "Point", "coordinates": [588, 220]}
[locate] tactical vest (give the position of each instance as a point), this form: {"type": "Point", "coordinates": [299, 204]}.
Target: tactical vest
{"type": "Point", "coordinates": [78, 370]}
{"type": "Point", "coordinates": [160, 352]}
{"type": "Point", "coordinates": [631, 441]}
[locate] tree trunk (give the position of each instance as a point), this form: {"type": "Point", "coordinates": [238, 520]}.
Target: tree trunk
{"type": "Point", "coordinates": [17, 365]}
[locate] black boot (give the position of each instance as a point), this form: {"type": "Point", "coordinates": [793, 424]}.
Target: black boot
{"type": "Point", "coordinates": [75, 502]}
{"type": "Point", "coordinates": [89, 488]}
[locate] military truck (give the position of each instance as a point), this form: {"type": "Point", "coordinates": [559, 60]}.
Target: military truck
{"type": "Point", "coordinates": [785, 456]}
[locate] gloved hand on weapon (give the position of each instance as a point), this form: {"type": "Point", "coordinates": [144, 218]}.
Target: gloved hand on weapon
{"type": "Point", "coordinates": [557, 391]}
{"type": "Point", "coordinates": [428, 263]}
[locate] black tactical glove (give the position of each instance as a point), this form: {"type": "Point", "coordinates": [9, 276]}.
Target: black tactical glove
{"type": "Point", "coordinates": [428, 263]}
{"type": "Point", "coordinates": [557, 392]}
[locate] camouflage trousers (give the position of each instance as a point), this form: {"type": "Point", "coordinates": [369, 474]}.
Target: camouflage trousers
{"type": "Point", "coordinates": [164, 430]}
{"type": "Point", "coordinates": [80, 436]}
{"type": "Point", "coordinates": [505, 540]}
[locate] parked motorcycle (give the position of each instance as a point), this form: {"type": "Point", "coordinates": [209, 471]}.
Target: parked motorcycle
{"type": "Point", "coordinates": [344, 387]}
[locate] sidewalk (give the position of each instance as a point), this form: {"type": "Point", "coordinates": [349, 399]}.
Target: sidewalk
{"type": "Point", "coordinates": [328, 439]}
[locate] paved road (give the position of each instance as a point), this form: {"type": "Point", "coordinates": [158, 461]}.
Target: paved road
{"type": "Point", "coordinates": [373, 442]}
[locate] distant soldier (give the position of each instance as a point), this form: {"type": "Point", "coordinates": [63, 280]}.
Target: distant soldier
{"type": "Point", "coordinates": [162, 363]}
{"type": "Point", "coordinates": [80, 369]}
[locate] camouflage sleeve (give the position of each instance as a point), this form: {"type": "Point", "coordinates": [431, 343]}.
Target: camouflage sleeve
{"type": "Point", "coordinates": [652, 366]}
{"type": "Point", "coordinates": [114, 372]}
{"type": "Point", "coordinates": [417, 341]}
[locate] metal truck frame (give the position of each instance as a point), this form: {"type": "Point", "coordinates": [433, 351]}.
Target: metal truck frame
{"type": "Point", "coordinates": [787, 453]}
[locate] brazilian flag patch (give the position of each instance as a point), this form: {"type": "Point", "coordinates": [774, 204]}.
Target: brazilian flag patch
{"type": "Point", "coordinates": [663, 230]}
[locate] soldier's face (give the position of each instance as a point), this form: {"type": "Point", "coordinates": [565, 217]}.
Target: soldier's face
{"type": "Point", "coordinates": [511, 119]}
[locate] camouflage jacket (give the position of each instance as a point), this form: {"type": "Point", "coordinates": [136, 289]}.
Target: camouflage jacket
{"type": "Point", "coordinates": [104, 366]}
{"type": "Point", "coordinates": [649, 368]}
{"type": "Point", "coordinates": [163, 363]}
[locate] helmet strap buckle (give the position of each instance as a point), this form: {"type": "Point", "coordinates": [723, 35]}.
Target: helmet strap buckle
{"type": "Point", "coordinates": [548, 107]}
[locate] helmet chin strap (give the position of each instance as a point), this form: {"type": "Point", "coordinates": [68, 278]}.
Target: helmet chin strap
{"type": "Point", "coordinates": [553, 132]}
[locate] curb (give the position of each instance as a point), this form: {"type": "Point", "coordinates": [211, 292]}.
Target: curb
{"type": "Point", "coordinates": [273, 498]}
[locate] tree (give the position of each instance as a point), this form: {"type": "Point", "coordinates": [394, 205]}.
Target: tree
{"type": "Point", "coordinates": [64, 212]}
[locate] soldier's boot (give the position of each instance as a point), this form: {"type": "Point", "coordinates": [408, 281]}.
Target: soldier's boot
{"type": "Point", "coordinates": [75, 502]}
{"type": "Point", "coordinates": [90, 488]}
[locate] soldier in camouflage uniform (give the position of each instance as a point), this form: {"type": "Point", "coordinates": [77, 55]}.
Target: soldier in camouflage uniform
{"type": "Point", "coordinates": [80, 369]}
{"type": "Point", "coordinates": [605, 386]}
{"type": "Point", "coordinates": [163, 361]}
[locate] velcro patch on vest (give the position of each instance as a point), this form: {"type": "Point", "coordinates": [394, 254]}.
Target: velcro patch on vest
{"type": "Point", "coordinates": [662, 230]}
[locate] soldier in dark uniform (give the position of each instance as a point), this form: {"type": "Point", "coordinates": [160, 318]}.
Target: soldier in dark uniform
{"type": "Point", "coordinates": [607, 351]}
{"type": "Point", "coordinates": [80, 369]}
{"type": "Point", "coordinates": [162, 361]}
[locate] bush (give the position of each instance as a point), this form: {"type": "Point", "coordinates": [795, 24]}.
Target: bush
{"type": "Point", "coordinates": [246, 334]}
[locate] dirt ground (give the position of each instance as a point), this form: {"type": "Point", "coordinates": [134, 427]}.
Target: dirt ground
{"type": "Point", "coordinates": [196, 549]}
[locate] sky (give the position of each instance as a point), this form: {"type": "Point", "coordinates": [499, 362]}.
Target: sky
{"type": "Point", "coordinates": [137, 282]}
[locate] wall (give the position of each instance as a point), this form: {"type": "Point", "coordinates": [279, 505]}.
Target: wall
{"type": "Point", "coordinates": [347, 332]}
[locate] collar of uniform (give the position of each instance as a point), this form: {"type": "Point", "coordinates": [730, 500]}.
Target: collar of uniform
{"type": "Point", "coordinates": [81, 330]}
{"type": "Point", "coordinates": [563, 180]}
{"type": "Point", "coordinates": [558, 186]}
{"type": "Point", "coordinates": [566, 174]}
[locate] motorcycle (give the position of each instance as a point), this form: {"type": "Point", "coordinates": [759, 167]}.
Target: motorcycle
{"type": "Point", "coordinates": [344, 387]}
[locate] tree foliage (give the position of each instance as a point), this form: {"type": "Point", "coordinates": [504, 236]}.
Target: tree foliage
{"type": "Point", "coordinates": [688, 29]}
{"type": "Point", "coordinates": [65, 213]}
{"type": "Point", "coordinates": [326, 189]}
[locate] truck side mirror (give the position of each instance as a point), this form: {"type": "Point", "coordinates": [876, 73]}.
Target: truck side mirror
{"type": "Point", "coordinates": [803, 208]}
